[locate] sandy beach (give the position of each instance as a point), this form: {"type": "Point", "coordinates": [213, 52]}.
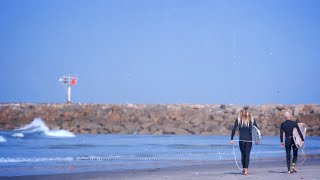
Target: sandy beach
{"type": "Point", "coordinates": [266, 169]}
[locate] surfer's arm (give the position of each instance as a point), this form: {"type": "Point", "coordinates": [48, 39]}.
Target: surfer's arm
{"type": "Point", "coordinates": [281, 137]}
{"type": "Point", "coordinates": [299, 131]}
{"type": "Point", "coordinates": [234, 128]}
{"type": "Point", "coordinates": [281, 134]}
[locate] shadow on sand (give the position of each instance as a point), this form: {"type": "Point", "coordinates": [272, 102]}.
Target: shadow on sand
{"type": "Point", "coordinates": [234, 173]}
{"type": "Point", "coordinates": [279, 172]}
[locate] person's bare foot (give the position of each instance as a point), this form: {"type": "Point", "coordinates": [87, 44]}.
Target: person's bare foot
{"type": "Point", "coordinates": [288, 172]}
{"type": "Point", "coordinates": [245, 172]}
{"type": "Point", "coordinates": [294, 169]}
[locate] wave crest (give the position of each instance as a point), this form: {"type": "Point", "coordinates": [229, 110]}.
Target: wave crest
{"type": "Point", "coordinates": [37, 125]}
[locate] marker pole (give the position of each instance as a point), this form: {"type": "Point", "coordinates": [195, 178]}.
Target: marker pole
{"type": "Point", "coordinates": [69, 94]}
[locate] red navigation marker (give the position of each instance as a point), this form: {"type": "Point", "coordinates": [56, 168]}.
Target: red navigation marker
{"type": "Point", "coordinates": [73, 81]}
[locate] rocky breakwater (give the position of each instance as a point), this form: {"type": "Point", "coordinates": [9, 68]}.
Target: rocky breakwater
{"type": "Point", "coordinates": [179, 119]}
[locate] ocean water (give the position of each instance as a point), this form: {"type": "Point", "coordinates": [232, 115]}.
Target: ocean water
{"type": "Point", "coordinates": [34, 149]}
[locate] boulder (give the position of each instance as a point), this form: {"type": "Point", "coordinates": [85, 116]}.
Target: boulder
{"type": "Point", "coordinates": [147, 125]}
{"type": "Point", "coordinates": [179, 131]}
{"type": "Point", "coordinates": [144, 131]}
{"type": "Point", "coordinates": [159, 132]}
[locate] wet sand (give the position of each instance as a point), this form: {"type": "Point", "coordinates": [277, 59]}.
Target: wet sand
{"type": "Point", "coordinates": [266, 169]}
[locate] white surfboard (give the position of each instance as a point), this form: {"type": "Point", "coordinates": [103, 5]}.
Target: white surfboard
{"type": "Point", "coordinates": [296, 137]}
{"type": "Point", "coordinates": [256, 135]}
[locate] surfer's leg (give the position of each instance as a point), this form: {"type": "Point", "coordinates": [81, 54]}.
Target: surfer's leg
{"type": "Point", "coordinates": [247, 154]}
{"type": "Point", "coordinates": [288, 154]}
{"type": "Point", "coordinates": [242, 149]}
{"type": "Point", "coordinates": [295, 154]}
{"type": "Point", "coordinates": [295, 157]}
{"type": "Point", "coordinates": [248, 147]}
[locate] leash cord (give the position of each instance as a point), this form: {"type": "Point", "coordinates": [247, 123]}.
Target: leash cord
{"type": "Point", "coordinates": [234, 153]}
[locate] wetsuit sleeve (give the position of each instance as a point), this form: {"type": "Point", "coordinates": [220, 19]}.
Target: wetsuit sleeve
{"type": "Point", "coordinates": [234, 128]}
{"type": "Point", "coordinates": [255, 123]}
{"type": "Point", "coordinates": [281, 133]}
{"type": "Point", "coordinates": [299, 131]}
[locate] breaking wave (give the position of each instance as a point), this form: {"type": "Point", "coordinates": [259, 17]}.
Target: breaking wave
{"type": "Point", "coordinates": [37, 125]}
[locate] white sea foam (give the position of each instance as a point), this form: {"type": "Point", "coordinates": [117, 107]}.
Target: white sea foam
{"type": "Point", "coordinates": [57, 159]}
{"type": "Point", "coordinates": [2, 139]}
{"type": "Point", "coordinates": [59, 133]}
{"type": "Point", "coordinates": [37, 125]}
{"type": "Point", "coordinates": [38, 159]}
{"type": "Point", "coordinates": [18, 135]}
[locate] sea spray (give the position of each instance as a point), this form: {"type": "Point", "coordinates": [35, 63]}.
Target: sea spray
{"type": "Point", "coordinates": [2, 139]}
{"type": "Point", "coordinates": [59, 133]}
{"type": "Point", "coordinates": [37, 125]}
{"type": "Point", "coordinates": [18, 135]}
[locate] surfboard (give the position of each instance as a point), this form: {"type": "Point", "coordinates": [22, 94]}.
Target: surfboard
{"type": "Point", "coordinates": [296, 137]}
{"type": "Point", "coordinates": [256, 135]}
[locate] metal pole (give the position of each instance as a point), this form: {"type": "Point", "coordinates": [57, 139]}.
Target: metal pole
{"type": "Point", "coordinates": [69, 94]}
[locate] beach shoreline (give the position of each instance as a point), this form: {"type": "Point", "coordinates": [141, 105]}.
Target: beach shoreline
{"type": "Point", "coordinates": [267, 169]}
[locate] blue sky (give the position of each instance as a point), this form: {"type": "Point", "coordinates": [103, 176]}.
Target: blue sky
{"type": "Point", "coordinates": [161, 51]}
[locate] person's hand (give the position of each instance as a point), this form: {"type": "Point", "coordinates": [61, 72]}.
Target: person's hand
{"type": "Point", "coordinates": [231, 141]}
{"type": "Point", "coordinates": [282, 144]}
{"type": "Point", "coordinates": [257, 142]}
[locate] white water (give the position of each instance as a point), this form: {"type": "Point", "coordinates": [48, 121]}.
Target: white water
{"type": "Point", "coordinates": [2, 139]}
{"type": "Point", "coordinates": [18, 135]}
{"type": "Point", "coordinates": [15, 160]}
{"type": "Point", "coordinates": [59, 133]}
{"type": "Point", "coordinates": [105, 158]}
{"type": "Point", "coordinates": [37, 125]}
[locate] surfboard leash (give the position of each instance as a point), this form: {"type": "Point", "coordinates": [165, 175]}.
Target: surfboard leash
{"type": "Point", "coordinates": [234, 153]}
{"type": "Point", "coordinates": [304, 157]}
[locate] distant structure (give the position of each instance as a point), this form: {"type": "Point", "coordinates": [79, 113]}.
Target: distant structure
{"type": "Point", "coordinates": [68, 81]}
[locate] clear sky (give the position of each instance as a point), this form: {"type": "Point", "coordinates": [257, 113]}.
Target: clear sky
{"type": "Point", "coordinates": [161, 51]}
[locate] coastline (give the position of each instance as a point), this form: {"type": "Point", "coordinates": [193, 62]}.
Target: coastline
{"type": "Point", "coordinates": [267, 169]}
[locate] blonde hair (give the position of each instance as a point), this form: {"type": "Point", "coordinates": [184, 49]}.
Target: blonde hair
{"type": "Point", "coordinates": [245, 117]}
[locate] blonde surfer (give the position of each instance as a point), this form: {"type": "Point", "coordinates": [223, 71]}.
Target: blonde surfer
{"type": "Point", "coordinates": [245, 122]}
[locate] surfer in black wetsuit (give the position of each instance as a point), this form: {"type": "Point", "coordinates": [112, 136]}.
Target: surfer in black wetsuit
{"type": "Point", "coordinates": [287, 128]}
{"type": "Point", "coordinates": [244, 122]}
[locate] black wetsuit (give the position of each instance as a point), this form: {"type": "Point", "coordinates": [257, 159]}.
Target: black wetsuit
{"type": "Point", "coordinates": [287, 127]}
{"type": "Point", "coordinates": [245, 147]}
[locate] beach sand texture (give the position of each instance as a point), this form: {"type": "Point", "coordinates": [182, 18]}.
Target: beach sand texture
{"type": "Point", "coordinates": [262, 170]}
